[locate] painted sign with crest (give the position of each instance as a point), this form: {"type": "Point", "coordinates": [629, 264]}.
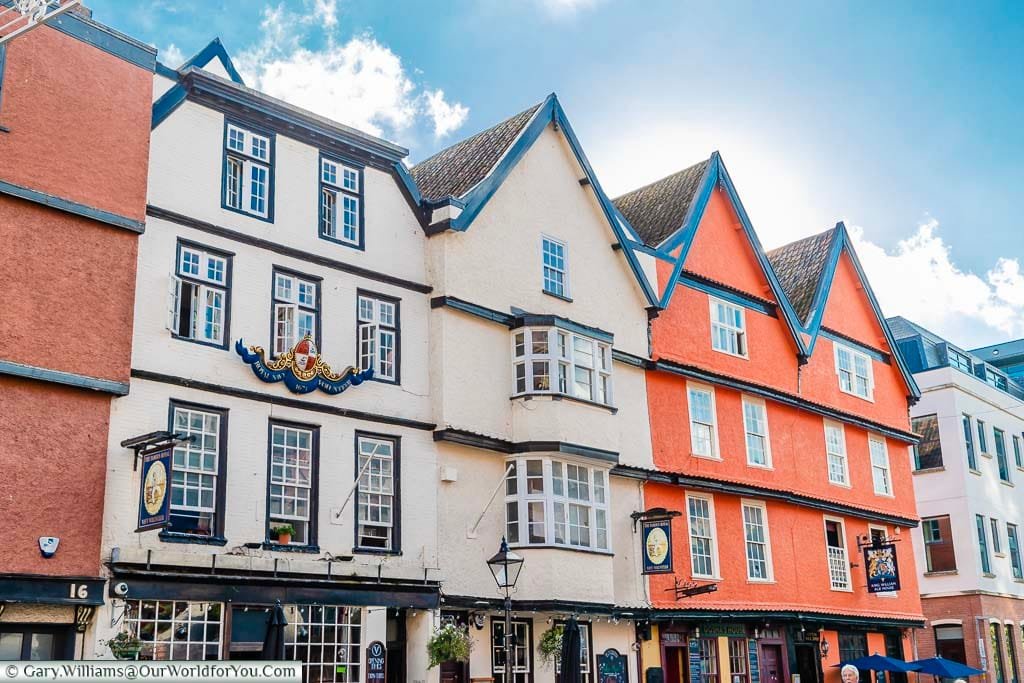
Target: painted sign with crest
{"type": "Point", "coordinates": [301, 369]}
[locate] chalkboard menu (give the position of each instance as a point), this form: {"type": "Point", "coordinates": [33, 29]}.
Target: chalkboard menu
{"type": "Point", "coordinates": [612, 667]}
{"type": "Point", "coordinates": [695, 670]}
{"type": "Point", "coordinates": [755, 666]}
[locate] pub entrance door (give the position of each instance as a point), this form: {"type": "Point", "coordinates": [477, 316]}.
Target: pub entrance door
{"type": "Point", "coordinates": [807, 663]}
{"type": "Point", "coordinates": [675, 664]}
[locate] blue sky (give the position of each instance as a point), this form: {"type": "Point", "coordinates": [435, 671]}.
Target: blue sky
{"type": "Point", "coordinates": [901, 119]}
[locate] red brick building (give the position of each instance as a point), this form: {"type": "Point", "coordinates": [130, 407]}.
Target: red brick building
{"type": "Point", "coordinates": [74, 142]}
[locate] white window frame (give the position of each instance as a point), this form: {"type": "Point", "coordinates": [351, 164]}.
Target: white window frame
{"type": "Point", "coordinates": [710, 500]}
{"type": "Point", "coordinates": [288, 306]}
{"type": "Point", "coordinates": [338, 200]}
{"type": "Point", "coordinates": [852, 375]}
{"type": "Point", "coordinates": [201, 474]}
{"type": "Point", "coordinates": [178, 630]}
{"type": "Point", "coordinates": [767, 542]}
{"type": "Point", "coordinates": [374, 328]}
{"type": "Point", "coordinates": [829, 454]}
{"type": "Point", "coordinates": [747, 433]}
{"type": "Point", "coordinates": [204, 291]}
{"type": "Point", "coordinates": [692, 387]}
{"type": "Point", "coordinates": [833, 585]}
{"type": "Point", "coordinates": [239, 166]}
{"type": "Point", "coordinates": [377, 490]}
{"type": "Point", "coordinates": [293, 484]}
{"type": "Point", "coordinates": [563, 271]}
{"type": "Point", "coordinates": [341, 635]}
{"type": "Point", "coordinates": [736, 334]}
{"type": "Point", "coordinates": [884, 468]}
{"type": "Point", "coordinates": [555, 350]}
{"type": "Point", "coordinates": [555, 502]}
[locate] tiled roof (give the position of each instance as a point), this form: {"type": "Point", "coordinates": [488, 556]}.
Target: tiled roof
{"type": "Point", "coordinates": [455, 170]}
{"type": "Point", "coordinates": [799, 266]}
{"type": "Point", "coordinates": [657, 210]}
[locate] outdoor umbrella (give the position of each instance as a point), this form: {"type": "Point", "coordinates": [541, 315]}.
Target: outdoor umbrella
{"type": "Point", "coordinates": [571, 645]}
{"type": "Point", "coordinates": [273, 642]}
{"type": "Point", "coordinates": [877, 662]}
{"type": "Point", "coordinates": [945, 668]}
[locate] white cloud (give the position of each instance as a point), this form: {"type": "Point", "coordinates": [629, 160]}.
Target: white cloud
{"type": "Point", "coordinates": [446, 116]}
{"type": "Point", "coordinates": [920, 280]}
{"type": "Point", "coordinates": [565, 8]}
{"type": "Point", "coordinates": [360, 82]}
{"type": "Point", "coordinates": [172, 56]}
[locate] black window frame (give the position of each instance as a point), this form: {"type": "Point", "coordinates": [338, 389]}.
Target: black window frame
{"type": "Point", "coordinates": [1013, 550]}
{"type": "Point", "coordinates": [167, 534]}
{"type": "Point", "coordinates": [317, 311]}
{"type": "Point", "coordinates": [340, 191]}
{"type": "Point", "coordinates": [312, 540]}
{"type": "Point", "coordinates": [528, 621]}
{"type": "Point", "coordinates": [972, 453]}
{"type": "Point", "coordinates": [270, 163]}
{"type": "Point", "coordinates": [849, 649]}
{"type": "Point", "coordinates": [377, 296]}
{"type": "Point", "coordinates": [396, 496]}
{"type": "Point", "coordinates": [983, 545]}
{"type": "Point", "coordinates": [64, 635]}
{"type": "Point", "coordinates": [1002, 460]}
{"type": "Point", "coordinates": [228, 257]}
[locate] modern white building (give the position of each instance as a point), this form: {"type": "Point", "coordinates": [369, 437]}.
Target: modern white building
{"type": "Point", "coordinates": [969, 470]}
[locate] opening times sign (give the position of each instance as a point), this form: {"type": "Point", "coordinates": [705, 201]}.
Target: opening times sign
{"type": "Point", "coordinates": [882, 568]}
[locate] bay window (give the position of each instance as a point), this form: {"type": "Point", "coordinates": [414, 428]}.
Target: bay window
{"type": "Point", "coordinates": [556, 502]}
{"type": "Point", "coordinates": [550, 360]}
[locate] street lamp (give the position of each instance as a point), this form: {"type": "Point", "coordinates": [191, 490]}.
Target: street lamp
{"type": "Point", "coordinates": [505, 566]}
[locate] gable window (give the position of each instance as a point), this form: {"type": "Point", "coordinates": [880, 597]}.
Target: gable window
{"type": "Point", "coordinates": [197, 301]}
{"type": "Point", "coordinates": [927, 453]}
{"type": "Point", "coordinates": [703, 432]}
{"type": "Point", "coordinates": [292, 482]}
{"type": "Point", "coordinates": [703, 550]}
{"type": "Point", "coordinates": [1000, 441]}
{"type": "Point", "coordinates": [838, 564]}
{"type": "Point", "coordinates": [248, 171]}
{"type": "Point", "coordinates": [555, 271]}
{"type": "Point", "coordinates": [835, 450]}
{"type": "Point", "coordinates": [982, 437]}
{"type": "Point", "coordinates": [197, 485]}
{"type": "Point", "coordinates": [556, 502]}
{"type": "Point", "coordinates": [728, 328]}
{"type": "Point", "coordinates": [938, 544]}
{"type": "Point", "coordinates": [341, 201]}
{"type": "Point", "coordinates": [755, 424]}
{"type": "Point", "coordinates": [972, 459]}
{"type": "Point", "coordinates": [553, 360]}
{"type": "Point", "coordinates": [1013, 546]}
{"type": "Point", "coordinates": [854, 371]}
{"type": "Point", "coordinates": [986, 561]}
{"type": "Point", "coordinates": [378, 517]}
{"type": "Point", "coordinates": [296, 310]}
{"type": "Point", "coordinates": [880, 473]}
{"type": "Point", "coordinates": [378, 325]}
{"type": "Point", "coordinates": [755, 534]}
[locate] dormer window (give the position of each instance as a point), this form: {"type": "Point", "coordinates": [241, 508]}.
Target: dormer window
{"type": "Point", "coordinates": [728, 328]}
{"type": "Point", "coordinates": [341, 201]}
{"type": "Point", "coordinates": [247, 171]}
{"type": "Point", "coordinates": [854, 371]}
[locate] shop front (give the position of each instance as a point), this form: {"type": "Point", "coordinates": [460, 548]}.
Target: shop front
{"type": "Point", "coordinates": [41, 617]}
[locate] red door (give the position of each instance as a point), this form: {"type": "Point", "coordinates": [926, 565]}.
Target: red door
{"type": "Point", "coordinates": [771, 663]}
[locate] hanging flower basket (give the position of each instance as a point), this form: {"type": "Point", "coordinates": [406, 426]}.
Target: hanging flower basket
{"type": "Point", "coordinates": [550, 646]}
{"type": "Point", "coordinates": [450, 643]}
{"type": "Point", "coordinates": [125, 645]}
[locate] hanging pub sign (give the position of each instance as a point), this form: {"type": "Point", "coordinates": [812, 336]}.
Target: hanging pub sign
{"type": "Point", "coordinates": [154, 492]}
{"type": "Point", "coordinates": [611, 667]}
{"type": "Point", "coordinates": [656, 538]}
{"type": "Point", "coordinates": [882, 568]}
{"type": "Point", "coordinates": [301, 369]}
{"type": "Point", "coordinates": [376, 662]}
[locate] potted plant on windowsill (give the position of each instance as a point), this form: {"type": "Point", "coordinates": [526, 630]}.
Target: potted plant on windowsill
{"type": "Point", "coordinates": [450, 643]}
{"type": "Point", "coordinates": [283, 533]}
{"type": "Point", "coordinates": [124, 645]}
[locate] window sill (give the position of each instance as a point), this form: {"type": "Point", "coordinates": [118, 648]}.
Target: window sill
{"type": "Point", "coordinates": [557, 296]}
{"type": "Point", "coordinates": [178, 537]}
{"type": "Point", "coordinates": [564, 397]}
{"type": "Point", "coordinates": [986, 455]}
{"type": "Point", "coordinates": [729, 353]}
{"type": "Point", "coordinates": [4, 129]}
{"type": "Point", "coordinates": [973, 470]}
{"type": "Point", "coordinates": [1018, 580]}
{"type": "Point", "coordinates": [841, 590]}
{"type": "Point", "coordinates": [761, 582]}
{"type": "Point", "coordinates": [376, 551]}
{"type": "Point", "coordinates": [200, 342]}
{"type": "Point", "coordinates": [840, 484]}
{"type": "Point", "coordinates": [552, 546]}
{"type": "Point", "coordinates": [999, 554]}
{"type": "Point", "coordinates": [767, 467]}
{"type": "Point", "coordinates": [869, 399]}
{"type": "Point", "coordinates": [713, 458]}
{"type": "Point", "coordinates": [885, 495]}
{"type": "Point", "coordinates": [267, 545]}
{"type": "Point", "coordinates": [351, 245]}
{"type": "Point", "coordinates": [269, 218]}
{"type": "Point", "coordinates": [930, 470]}
{"type": "Point", "coordinates": [1007, 483]}
{"type": "Point", "coordinates": [988, 575]}
{"type": "Point", "coordinates": [944, 572]}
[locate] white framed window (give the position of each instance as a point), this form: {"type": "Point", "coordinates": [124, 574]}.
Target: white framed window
{"type": "Point", "coordinates": [557, 502]}
{"type": "Point", "coordinates": [881, 475]}
{"type": "Point", "coordinates": [341, 202]}
{"type": "Point", "coordinates": [854, 371]}
{"type": "Point", "coordinates": [755, 426]}
{"type": "Point", "coordinates": [728, 328]}
{"type": "Point", "coordinates": [292, 454]}
{"type": "Point", "coordinates": [247, 165]}
{"type": "Point", "coordinates": [378, 325]}
{"type": "Point", "coordinates": [197, 295]}
{"type": "Point", "coordinates": [175, 629]}
{"type": "Point", "coordinates": [295, 310]}
{"type": "Point", "coordinates": [327, 639]}
{"type": "Point", "coordinates": [838, 560]}
{"type": "Point", "coordinates": [555, 270]}
{"type": "Point", "coordinates": [378, 514]}
{"type": "Point", "coordinates": [703, 421]}
{"type": "Point", "coordinates": [835, 453]}
{"type": "Point", "coordinates": [196, 468]}
{"type": "Point", "coordinates": [550, 360]}
{"type": "Point", "coordinates": [521, 658]}
{"type": "Point", "coordinates": [700, 517]}
{"type": "Point", "coordinates": [758, 542]}
{"type": "Point", "coordinates": [585, 640]}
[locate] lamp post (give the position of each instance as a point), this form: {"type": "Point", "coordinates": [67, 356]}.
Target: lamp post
{"type": "Point", "coordinates": [505, 566]}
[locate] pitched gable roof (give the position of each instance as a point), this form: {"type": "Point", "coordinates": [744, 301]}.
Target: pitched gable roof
{"type": "Point", "coordinates": [658, 210]}
{"type": "Point", "coordinates": [799, 266]}
{"type": "Point", "coordinates": [213, 50]}
{"type": "Point", "coordinates": [456, 170]}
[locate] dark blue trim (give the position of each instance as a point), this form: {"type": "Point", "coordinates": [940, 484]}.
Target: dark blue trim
{"type": "Point", "coordinates": [408, 183]}
{"type": "Point", "coordinates": [228, 257]}
{"type": "Point", "coordinates": [214, 49]}
{"type": "Point", "coordinates": [166, 71]}
{"type": "Point", "coordinates": [167, 103]}
{"type": "Point", "coordinates": [843, 340]}
{"type": "Point", "coordinates": [178, 537]}
{"type": "Point", "coordinates": [489, 443]}
{"type": "Point", "coordinates": [270, 163]}
{"type": "Point", "coordinates": [515, 321]}
{"type": "Point", "coordinates": [732, 296]}
{"type": "Point", "coordinates": [104, 38]}
{"type": "Point", "coordinates": [339, 206]}
{"type": "Point", "coordinates": [70, 379]}
{"type": "Point", "coordinates": [61, 204]}
{"type": "Point", "coordinates": [656, 253]}
{"type": "Point", "coordinates": [479, 311]}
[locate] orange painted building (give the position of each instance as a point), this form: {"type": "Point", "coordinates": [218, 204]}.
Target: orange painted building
{"type": "Point", "coordinates": [779, 414]}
